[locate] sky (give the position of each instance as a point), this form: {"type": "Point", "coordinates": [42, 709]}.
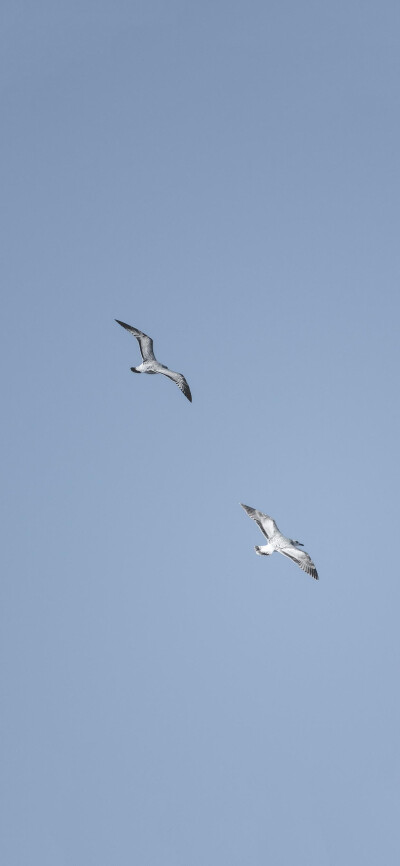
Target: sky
{"type": "Point", "coordinates": [225, 177]}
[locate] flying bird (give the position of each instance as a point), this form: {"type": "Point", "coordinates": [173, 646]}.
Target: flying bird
{"type": "Point", "coordinates": [279, 542]}
{"type": "Point", "coordinates": [150, 363]}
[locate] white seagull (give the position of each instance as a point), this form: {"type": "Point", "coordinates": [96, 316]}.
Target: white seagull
{"type": "Point", "coordinates": [150, 363]}
{"type": "Point", "coordinates": [279, 542]}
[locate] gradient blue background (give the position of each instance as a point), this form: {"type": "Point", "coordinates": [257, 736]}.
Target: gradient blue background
{"type": "Point", "coordinates": [225, 177]}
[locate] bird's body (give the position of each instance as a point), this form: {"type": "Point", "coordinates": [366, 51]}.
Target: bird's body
{"type": "Point", "coordinates": [279, 542]}
{"type": "Point", "coordinates": [150, 363]}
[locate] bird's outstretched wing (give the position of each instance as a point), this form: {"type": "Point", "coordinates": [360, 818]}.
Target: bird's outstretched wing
{"type": "Point", "coordinates": [179, 380]}
{"type": "Point", "coordinates": [264, 522]}
{"type": "Point", "coordinates": [301, 558]}
{"type": "Point", "coordinates": [145, 342]}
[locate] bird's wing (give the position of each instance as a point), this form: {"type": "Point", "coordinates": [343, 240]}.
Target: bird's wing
{"type": "Point", "coordinates": [301, 558]}
{"type": "Point", "coordinates": [145, 342]}
{"type": "Point", "coordinates": [179, 380]}
{"type": "Point", "coordinates": [266, 524]}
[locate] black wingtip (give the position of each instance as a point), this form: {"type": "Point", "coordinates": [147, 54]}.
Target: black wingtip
{"type": "Point", "coordinates": [123, 324]}
{"type": "Point", "coordinates": [184, 387]}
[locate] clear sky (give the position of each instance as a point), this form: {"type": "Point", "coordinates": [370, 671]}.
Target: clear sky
{"type": "Point", "coordinates": [225, 177]}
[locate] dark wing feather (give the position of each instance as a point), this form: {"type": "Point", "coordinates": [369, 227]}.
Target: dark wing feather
{"type": "Point", "coordinates": [179, 380]}
{"type": "Point", "coordinates": [145, 342]}
{"type": "Point", "coordinates": [264, 522]}
{"type": "Point", "coordinates": [301, 558]}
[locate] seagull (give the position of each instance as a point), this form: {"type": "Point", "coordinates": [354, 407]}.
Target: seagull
{"type": "Point", "coordinates": [150, 363]}
{"type": "Point", "coordinates": [279, 542]}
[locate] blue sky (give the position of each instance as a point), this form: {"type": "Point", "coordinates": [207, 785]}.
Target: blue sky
{"type": "Point", "coordinates": [225, 177]}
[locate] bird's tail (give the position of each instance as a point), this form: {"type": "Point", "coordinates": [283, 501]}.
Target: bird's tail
{"type": "Point", "coordinates": [261, 550]}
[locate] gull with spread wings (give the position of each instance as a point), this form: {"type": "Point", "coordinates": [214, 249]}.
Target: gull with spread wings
{"type": "Point", "coordinates": [150, 363]}
{"type": "Point", "coordinates": [279, 542]}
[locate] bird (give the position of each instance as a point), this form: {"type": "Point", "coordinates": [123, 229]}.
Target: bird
{"type": "Point", "coordinates": [150, 363]}
{"type": "Point", "coordinates": [279, 542]}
